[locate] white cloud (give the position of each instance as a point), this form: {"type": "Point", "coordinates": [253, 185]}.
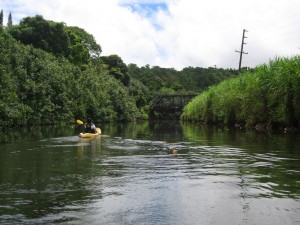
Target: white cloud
{"type": "Point", "coordinates": [185, 33]}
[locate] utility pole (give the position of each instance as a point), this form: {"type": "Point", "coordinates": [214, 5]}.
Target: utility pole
{"type": "Point", "coordinates": [242, 47]}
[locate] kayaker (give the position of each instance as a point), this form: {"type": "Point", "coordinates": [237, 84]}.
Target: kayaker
{"type": "Point", "coordinates": [89, 127]}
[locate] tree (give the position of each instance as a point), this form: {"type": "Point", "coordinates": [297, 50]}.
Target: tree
{"type": "Point", "coordinates": [74, 43]}
{"type": "Point", "coordinates": [86, 39]}
{"type": "Point", "coordinates": [9, 22]}
{"type": "Point", "coordinates": [43, 34]}
{"type": "Point", "coordinates": [82, 45]}
{"type": "Point", "coordinates": [117, 68]}
{"type": "Point", "coordinates": [38, 88]}
{"type": "Point", "coordinates": [1, 18]}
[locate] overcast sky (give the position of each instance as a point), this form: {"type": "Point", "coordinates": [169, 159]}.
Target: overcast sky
{"type": "Point", "coordinates": [177, 33]}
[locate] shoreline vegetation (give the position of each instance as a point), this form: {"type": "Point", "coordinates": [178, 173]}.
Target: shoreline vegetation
{"type": "Point", "coordinates": [52, 74]}
{"type": "Point", "coordinates": [266, 98]}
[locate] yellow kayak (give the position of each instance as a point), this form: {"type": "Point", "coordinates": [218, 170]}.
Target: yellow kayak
{"type": "Point", "coordinates": [90, 135]}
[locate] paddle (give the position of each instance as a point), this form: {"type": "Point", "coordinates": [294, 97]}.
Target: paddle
{"type": "Point", "coordinates": [79, 122]}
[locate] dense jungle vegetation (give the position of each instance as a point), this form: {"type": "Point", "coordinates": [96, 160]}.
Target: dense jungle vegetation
{"type": "Point", "coordinates": [52, 73]}
{"type": "Point", "coordinates": [268, 96]}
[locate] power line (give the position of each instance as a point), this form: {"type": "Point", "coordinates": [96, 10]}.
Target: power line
{"type": "Point", "coordinates": [275, 36]}
{"type": "Point", "coordinates": [279, 23]}
{"type": "Point", "coordinates": [276, 29]}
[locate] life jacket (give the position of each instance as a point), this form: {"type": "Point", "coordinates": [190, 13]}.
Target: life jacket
{"type": "Point", "coordinates": [88, 128]}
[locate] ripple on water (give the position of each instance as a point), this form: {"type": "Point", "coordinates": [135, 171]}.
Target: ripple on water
{"type": "Point", "coordinates": [141, 180]}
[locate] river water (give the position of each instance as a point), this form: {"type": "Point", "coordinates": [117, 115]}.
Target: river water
{"type": "Point", "coordinates": [163, 173]}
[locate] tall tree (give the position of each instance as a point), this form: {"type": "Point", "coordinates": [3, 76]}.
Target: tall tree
{"type": "Point", "coordinates": [1, 18]}
{"type": "Point", "coordinates": [117, 68]}
{"type": "Point", "coordinates": [86, 39]}
{"type": "Point", "coordinates": [40, 33]}
{"type": "Point", "coordinates": [9, 22]}
{"type": "Point", "coordinates": [72, 42]}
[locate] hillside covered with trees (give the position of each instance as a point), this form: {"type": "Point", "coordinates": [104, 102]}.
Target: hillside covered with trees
{"type": "Point", "coordinates": [52, 73]}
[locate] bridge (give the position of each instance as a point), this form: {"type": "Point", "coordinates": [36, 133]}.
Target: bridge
{"type": "Point", "coordinates": [169, 106]}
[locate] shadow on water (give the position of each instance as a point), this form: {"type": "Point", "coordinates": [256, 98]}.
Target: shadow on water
{"type": "Point", "coordinates": [9, 135]}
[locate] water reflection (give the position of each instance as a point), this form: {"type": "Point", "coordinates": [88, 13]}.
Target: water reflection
{"type": "Point", "coordinates": [132, 176]}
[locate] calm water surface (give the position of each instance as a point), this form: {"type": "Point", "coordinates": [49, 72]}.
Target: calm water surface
{"type": "Point", "coordinates": [163, 173]}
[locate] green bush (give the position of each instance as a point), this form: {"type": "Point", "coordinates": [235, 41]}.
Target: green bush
{"type": "Point", "coordinates": [270, 94]}
{"type": "Point", "coordinates": [38, 88]}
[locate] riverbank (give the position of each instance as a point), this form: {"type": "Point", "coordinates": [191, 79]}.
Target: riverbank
{"type": "Point", "coordinates": [268, 96]}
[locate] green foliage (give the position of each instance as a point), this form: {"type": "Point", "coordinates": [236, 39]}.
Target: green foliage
{"type": "Point", "coordinates": [73, 81]}
{"type": "Point", "coordinates": [142, 97]}
{"type": "Point", "coordinates": [117, 68]}
{"type": "Point", "coordinates": [187, 81]}
{"type": "Point", "coordinates": [39, 88]}
{"type": "Point", "coordinates": [270, 94]}
{"type": "Point", "coordinates": [105, 98]}
{"type": "Point", "coordinates": [43, 34]}
{"type": "Point", "coordinates": [82, 46]}
{"type": "Point", "coordinates": [54, 73]}
{"type": "Point", "coordinates": [1, 18]}
{"type": "Point", "coordinates": [80, 36]}
{"type": "Point", "coordinates": [9, 21]}
{"type": "Point", "coordinates": [78, 53]}
{"type": "Point", "coordinates": [176, 87]}
{"type": "Point", "coordinates": [72, 43]}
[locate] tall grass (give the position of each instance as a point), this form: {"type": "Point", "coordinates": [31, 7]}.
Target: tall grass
{"type": "Point", "coordinates": [270, 94]}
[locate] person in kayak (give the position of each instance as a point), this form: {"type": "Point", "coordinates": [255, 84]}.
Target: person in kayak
{"type": "Point", "coordinates": [89, 127]}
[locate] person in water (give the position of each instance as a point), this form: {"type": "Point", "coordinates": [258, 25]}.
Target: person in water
{"type": "Point", "coordinates": [89, 127]}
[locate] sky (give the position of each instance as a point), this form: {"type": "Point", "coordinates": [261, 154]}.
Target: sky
{"type": "Point", "coordinates": [177, 33]}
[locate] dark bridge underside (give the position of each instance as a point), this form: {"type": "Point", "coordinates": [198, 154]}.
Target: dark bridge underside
{"type": "Point", "coordinates": [169, 105]}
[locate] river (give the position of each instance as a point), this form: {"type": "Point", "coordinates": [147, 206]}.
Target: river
{"type": "Point", "coordinates": [163, 173]}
